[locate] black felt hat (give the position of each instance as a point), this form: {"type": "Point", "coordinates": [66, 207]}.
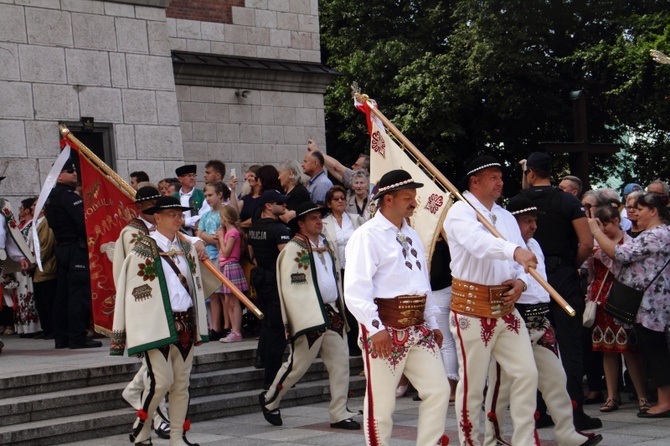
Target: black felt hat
{"type": "Point", "coordinates": [166, 203]}
{"type": "Point", "coordinates": [185, 170]}
{"type": "Point", "coordinates": [304, 209]}
{"type": "Point", "coordinates": [147, 193]}
{"type": "Point", "coordinates": [395, 180]}
{"type": "Point", "coordinates": [520, 205]}
{"type": "Point", "coordinates": [477, 165]}
{"type": "Point", "coordinates": [540, 161]}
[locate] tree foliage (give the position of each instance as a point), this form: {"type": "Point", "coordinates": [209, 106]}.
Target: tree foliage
{"type": "Point", "coordinates": [462, 78]}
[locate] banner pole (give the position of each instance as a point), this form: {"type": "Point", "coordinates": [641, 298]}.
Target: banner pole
{"type": "Point", "coordinates": [454, 191]}
{"type": "Point", "coordinates": [128, 190]}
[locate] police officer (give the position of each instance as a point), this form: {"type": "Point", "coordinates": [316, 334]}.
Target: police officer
{"type": "Point", "coordinates": [267, 237]}
{"type": "Point", "coordinates": [64, 211]}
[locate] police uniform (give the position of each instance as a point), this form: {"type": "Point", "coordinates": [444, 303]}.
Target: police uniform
{"type": "Point", "coordinates": [64, 211]}
{"type": "Point", "coordinates": [264, 236]}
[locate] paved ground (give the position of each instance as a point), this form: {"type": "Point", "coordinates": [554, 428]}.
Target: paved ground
{"type": "Point", "coordinates": [305, 425]}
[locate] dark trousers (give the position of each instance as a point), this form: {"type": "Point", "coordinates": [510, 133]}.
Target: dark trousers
{"type": "Point", "coordinates": [44, 302]}
{"type": "Point", "coordinates": [654, 347]}
{"type": "Point", "coordinates": [72, 305]}
{"type": "Point", "coordinates": [569, 328]}
{"type": "Point", "coordinates": [273, 337]}
{"type": "Point", "coordinates": [593, 363]}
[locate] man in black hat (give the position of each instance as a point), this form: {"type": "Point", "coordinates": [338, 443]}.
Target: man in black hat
{"type": "Point", "coordinates": [488, 275]}
{"type": "Point", "coordinates": [142, 225]}
{"type": "Point", "coordinates": [267, 237]}
{"type": "Point", "coordinates": [64, 211]}
{"type": "Point", "coordinates": [189, 196]}
{"type": "Point", "coordinates": [565, 238]}
{"type": "Point", "coordinates": [160, 312]}
{"type": "Point", "coordinates": [313, 311]}
{"type": "Point", "coordinates": [533, 305]}
{"type": "Point", "coordinates": [387, 289]}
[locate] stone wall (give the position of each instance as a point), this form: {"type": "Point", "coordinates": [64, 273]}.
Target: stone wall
{"type": "Point", "coordinates": [265, 29]}
{"type": "Point", "coordinates": [63, 59]}
{"type": "Point", "coordinates": [266, 127]}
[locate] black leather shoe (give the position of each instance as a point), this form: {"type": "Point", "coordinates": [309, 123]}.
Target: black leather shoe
{"type": "Point", "coordinates": [584, 422]}
{"type": "Point", "coordinates": [595, 400]}
{"type": "Point", "coordinates": [89, 343]}
{"type": "Point", "coordinates": [61, 344]}
{"type": "Point", "coordinates": [347, 424]}
{"type": "Point", "coordinates": [593, 440]}
{"type": "Point", "coordinates": [544, 420]}
{"type": "Point", "coordinates": [163, 431]}
{"type": "Point", "coordinates": [273, 417]}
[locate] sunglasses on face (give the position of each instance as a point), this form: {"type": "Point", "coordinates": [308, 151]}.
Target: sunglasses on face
{"type": "Point", "coordinates": [339, 198]}
{"type": "Point", "coordinates": [70, 171]}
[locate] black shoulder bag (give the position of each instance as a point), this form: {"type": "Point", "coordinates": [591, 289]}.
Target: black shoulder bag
{"type": "Point", "coordinates": [624, 302]}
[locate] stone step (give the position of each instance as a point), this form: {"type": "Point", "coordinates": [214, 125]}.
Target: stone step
{"type": "Point", "coordinates": [90, 425]}
{"type": "Point", "coordinates": [50, 381]}
{"type": "Point", "coordinates": [89, 399]}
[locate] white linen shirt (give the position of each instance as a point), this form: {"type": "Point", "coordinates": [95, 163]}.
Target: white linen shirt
{"type": "Point", "coordinates": [376, 269]}
{"type": "Point", "coordinates": [180, 300]}
{"type": "Point", "coordinates": [325, 274]}
{"type": "Point", "coordinates": [535, 294]}
{"type": "Point", "coordinates": [477, 255]}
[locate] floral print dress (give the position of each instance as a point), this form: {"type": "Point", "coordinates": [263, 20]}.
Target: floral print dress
{"type": "Point", "coordinates": [641, 259]}
{"type": "Point", "coordinates": [26, 320]}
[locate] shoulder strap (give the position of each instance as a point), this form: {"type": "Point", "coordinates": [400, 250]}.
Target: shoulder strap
{"type": "Point", "coordinates": [170, 262]}
{"type": "Point", "coordinates": [657, 274]}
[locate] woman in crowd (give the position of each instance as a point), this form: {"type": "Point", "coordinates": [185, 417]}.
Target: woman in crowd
{"type": "Point", "coordinates": [607, 336]}
{"type": "Point", "coordinates": [357, 202]}
{"type": "Point", "coordinates": [26, 319]}
{"type": "Point", "coordinates": [293, 184]}
{"type": "Point", "coordinates": [248, 203]}
{"type": "Point", "coordinates": [593, 360]}
{"type": "Point", "coordinates": [338, 226]}
{"type": "Point", "coordinates": [641, 262]}
{"type": "Point", "coordinates": [631, 210]}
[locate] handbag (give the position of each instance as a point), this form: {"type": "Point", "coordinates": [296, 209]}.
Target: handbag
{"type": "Point", "coordinates": [624, 301]}
{"type": "Point", "coordinates": [589, 316]}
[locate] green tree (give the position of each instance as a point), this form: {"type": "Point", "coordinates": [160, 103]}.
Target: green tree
{"type": "Point", "coordinates": [467, 77]}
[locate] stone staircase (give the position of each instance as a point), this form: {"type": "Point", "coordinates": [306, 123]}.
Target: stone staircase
{"type": "Point", "coordinates": [66, 406]}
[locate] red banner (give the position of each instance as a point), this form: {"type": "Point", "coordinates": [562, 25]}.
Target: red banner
{"type": "Point", "coordinates": [107, 210]}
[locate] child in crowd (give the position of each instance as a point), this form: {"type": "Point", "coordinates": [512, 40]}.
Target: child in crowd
{"type": "Point", "coordinates": [215, 195]}
{"type": "Point", "coordinates": [230, 249]}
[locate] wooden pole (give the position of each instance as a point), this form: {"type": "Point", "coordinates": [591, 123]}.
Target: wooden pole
{"type": "Point", "coordinates": [128, 190]}
{"type": "Point", "coordinates": [454, 191]}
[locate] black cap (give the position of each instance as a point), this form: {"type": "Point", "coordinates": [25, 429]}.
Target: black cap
{"type": "Point", "coordinates": [540, 161]}
{"type": "Point", "coordinates": [147, 193]}
{"type": "Point", "coordinates": [520, 205]}
{"type": "Point", "coordinates": [477, 165]}
{"type": "Point", "coordinates": [395, 180]}
{"type": "Point", "coordinates": [185, 170]}
{"type": "Point", "coordinates": [166, 203]}
{"type": "Point", "coordinates": [69, 165]}
{"type": "Point", "coordinates": [272, 196]}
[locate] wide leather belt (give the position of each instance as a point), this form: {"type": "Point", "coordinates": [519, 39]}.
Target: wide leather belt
{"type": "Point", "coordinates": [401, 311]}
{"type": "Point", "coordinates": [532, 310]}
{"type": "Point", "coordinates": [473, 299]}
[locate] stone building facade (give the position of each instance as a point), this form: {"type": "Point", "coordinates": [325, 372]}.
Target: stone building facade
{"type": "Point", "coordinates": [165, 83]}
